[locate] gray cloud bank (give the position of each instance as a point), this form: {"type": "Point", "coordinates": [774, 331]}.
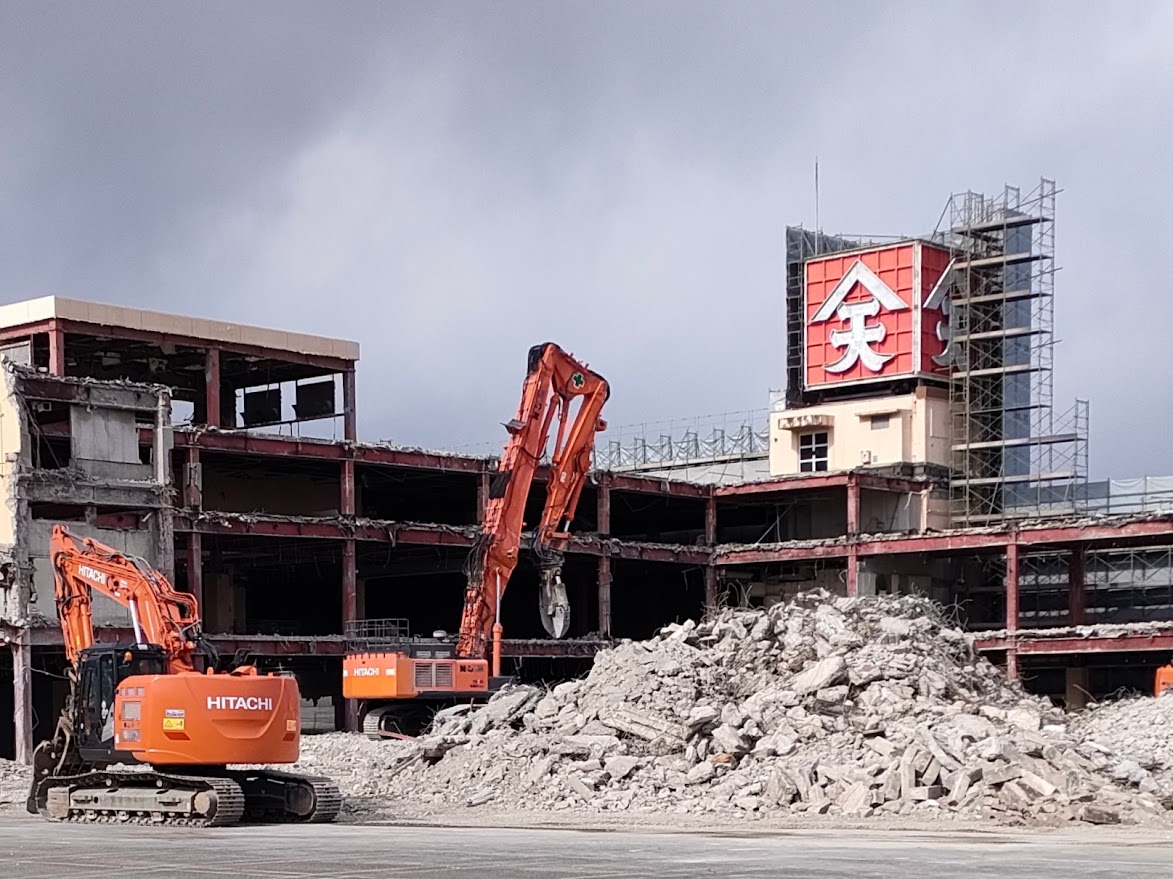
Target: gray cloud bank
{"type": "Point", "coordinates": [449, 183]}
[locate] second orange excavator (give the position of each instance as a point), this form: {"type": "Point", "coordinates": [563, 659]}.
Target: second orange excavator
{"type": "Point", "coordinates": [392, 673]}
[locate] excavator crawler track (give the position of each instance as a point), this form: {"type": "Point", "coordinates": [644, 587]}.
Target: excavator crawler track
{"type": "Point", "coordinates": [163, 799]}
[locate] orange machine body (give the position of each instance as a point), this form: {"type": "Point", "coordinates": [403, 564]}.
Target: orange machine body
{"type": "Point", "coordinates": [390, 675]}
{"type": "Point", "coordinates": [1164, 680]}
{"type": "Point", "coordinates": [200, 719]}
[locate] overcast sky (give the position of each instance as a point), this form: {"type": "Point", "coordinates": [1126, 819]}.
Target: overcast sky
{"type": "Point", "coordinates": [449, 183]}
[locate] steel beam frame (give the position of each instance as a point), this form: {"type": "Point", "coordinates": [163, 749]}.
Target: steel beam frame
{"type": "Point", "coordinates": [419, 534]}
{"type": "Point", "coordinates": [322, 645]}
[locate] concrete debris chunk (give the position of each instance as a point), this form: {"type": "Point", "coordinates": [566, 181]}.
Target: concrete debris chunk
{"type": "Point", "coordinates": [870, 706]}
{"type": "Point", "coordinates": [822, 673]}
{"type": "Point", "coordinates": [618, 768]}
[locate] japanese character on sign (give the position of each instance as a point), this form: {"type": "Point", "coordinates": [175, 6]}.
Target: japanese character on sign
{"type": "Point", "coordinates": [861, 332]}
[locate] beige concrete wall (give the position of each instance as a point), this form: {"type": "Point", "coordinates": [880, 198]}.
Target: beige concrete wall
{"type": "Point", "coordinates": [917, 432]}
{"type": "Point", "coordinates": [13, 452]}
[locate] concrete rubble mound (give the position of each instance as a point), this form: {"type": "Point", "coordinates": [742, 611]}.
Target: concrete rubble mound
{"type": "Point", "coordinates": [14, 784]}
{"type": "Point", "coordinates": [853, 707]}
{"type": "Point", "coordinates": [1132, 740]}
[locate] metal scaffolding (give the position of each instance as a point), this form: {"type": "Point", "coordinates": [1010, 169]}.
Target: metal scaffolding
{"type": "Point", "coordinates": [1122, 586]}
{"type": "Point", "coordinates": [1013, 457]}
{"type": "Point", "coordinates": [731, 436]}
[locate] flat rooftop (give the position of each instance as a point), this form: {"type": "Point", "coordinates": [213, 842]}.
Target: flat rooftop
{"type": "Point", "coordinates": [47, 308]}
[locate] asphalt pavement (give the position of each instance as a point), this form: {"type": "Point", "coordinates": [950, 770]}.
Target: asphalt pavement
{"type": "Point", "coordinates": [31, 848]}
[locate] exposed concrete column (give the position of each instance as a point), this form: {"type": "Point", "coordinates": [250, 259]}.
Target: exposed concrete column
{"type": "Point", "coordinates": [603, 527]}
{"type": "Point", "coordinates": [853, 506]}
{"type": "Point", "coordinates": [1012, 587]}
{"type": "Point", "coordinates": [605, 594]}
{"type": "Point", "coordinates": [711, 521]}
{"type": "Point", "coordinates": [164, 479]}
{"type": "Point", "coordinates": [349, 410]}
{"type": "Point", "coordinates": [193, 480]}
{"type": "Point", "coordinates": [1076, 691]}
{"type": "Point", "coordinates": [56, 349]}
{"type": "Point", "coordinates": [603, 507]}
{"type": "Point", "coordinates": [212, 412]}
{"type": "Point", "coordinates": [22, 697]}
{"type": "Point", "coordinates": [1012, 609]}
{"type": "Point", "coordinates": [710, 585]}
{"type": "Point", "coordinates": [482, 496]}
{"type": "Point", "coordinates": [195, 568]}
{"type": "Point", "coordinates": [852, 572]}
{"type": "Point", "coordinates": [347, 500]}
{"type": "Point", "coordinates": [350, 614]}
{"type": "Point", "coordinates": [1076, 587]}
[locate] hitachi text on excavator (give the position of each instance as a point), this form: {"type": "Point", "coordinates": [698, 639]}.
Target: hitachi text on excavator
{"type": "Point", "coordinates": [163, 701]}
{"type": "Point", "coordinates": [393, 673]}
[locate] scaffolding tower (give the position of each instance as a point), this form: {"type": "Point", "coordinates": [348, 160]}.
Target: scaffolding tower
{"type": "Point", "coordinates": [1013, 458]}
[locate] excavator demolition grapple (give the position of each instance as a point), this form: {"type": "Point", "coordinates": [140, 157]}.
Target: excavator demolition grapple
{"type": "Point", "coordinates": [150, 729]}
{"type": "Point", "coordinates": [397, 677]}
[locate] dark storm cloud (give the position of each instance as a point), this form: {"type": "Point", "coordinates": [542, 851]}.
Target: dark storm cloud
{"type": "Point", "coordinates": [450, 183]}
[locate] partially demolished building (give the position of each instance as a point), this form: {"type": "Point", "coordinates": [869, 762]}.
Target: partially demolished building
{"type": "Point", "coordinates": [917, 451]}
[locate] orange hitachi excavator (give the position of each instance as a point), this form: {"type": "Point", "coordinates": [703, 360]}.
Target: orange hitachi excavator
{"type": "Point", "coordinates": [163, 701]}
{"type": "Point", "coordinates": [394, 674]}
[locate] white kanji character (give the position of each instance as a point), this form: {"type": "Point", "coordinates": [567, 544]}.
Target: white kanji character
{"type": "Point", "coordinates": [859, 337]}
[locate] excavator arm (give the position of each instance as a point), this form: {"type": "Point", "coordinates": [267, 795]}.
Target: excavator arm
{"type": "Point", "coordinates": [554, 382]}
{"type": "Point", "coordinates": [160, 614]}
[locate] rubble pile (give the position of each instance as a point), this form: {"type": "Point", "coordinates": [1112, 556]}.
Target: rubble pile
{"type": "Point", "coordinates": [1131, 739]}
{"type": "Point", "coordinates": [14, 785]}
{"type": "Point", "coordinates": [854, 707]}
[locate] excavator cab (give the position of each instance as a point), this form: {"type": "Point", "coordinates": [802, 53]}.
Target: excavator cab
{"type": "Point", "coordinates": [100, 670]}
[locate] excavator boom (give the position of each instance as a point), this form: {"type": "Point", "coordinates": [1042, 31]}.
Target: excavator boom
{"type": "Point", "coordinates": [554, 382]}
{"type": "Point", "coordinates": [393, 673]}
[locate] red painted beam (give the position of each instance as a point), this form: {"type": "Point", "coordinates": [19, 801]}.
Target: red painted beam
{"type": "Point", "coordinates": [421, 534]}
{"type": "Point", "coordinates": [276, 446]}
{"type": "Point", "coordinates": [326, 529]}
{"type": "Point", "coordinates": [26, 331]}
{"type": "Point", "coordinates": [780, 554]}
{"type": "Point", "coordinates": [1158, 641]}
{"type": "Point", "coordinates": [269, 645]}
{"type": "Point", "coordinates": [873, 482]}
{"type": "Point", "coordinates": [1099, 534]}
{"type": "Point", "coordinates": [788, 483]}
{"type": "Point", "coordinates": [649, 485]}
{"type": "Point", "coordinates": [870, 481]}
{"type": "Point", "coordinates": [648, 552]}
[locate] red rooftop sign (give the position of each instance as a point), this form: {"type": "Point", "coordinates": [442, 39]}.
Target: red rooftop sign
{"type": "Point", "coordinates": [875, 315]}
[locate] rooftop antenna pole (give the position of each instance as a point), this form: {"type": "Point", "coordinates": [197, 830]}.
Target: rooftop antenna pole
{"type": "Point", "coordinates": [818, 227]}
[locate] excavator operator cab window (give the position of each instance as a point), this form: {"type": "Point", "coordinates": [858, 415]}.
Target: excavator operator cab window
{"type": "Point", "coordinates": [102, 669]}
{"type": "Point", "coordinates": [97, 695]}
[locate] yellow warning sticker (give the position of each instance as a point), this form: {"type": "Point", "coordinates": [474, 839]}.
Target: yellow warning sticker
{"type": "Point", "coordinates": [291, 726]}
{"type": "Point", "coordinates": [174, 724]}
